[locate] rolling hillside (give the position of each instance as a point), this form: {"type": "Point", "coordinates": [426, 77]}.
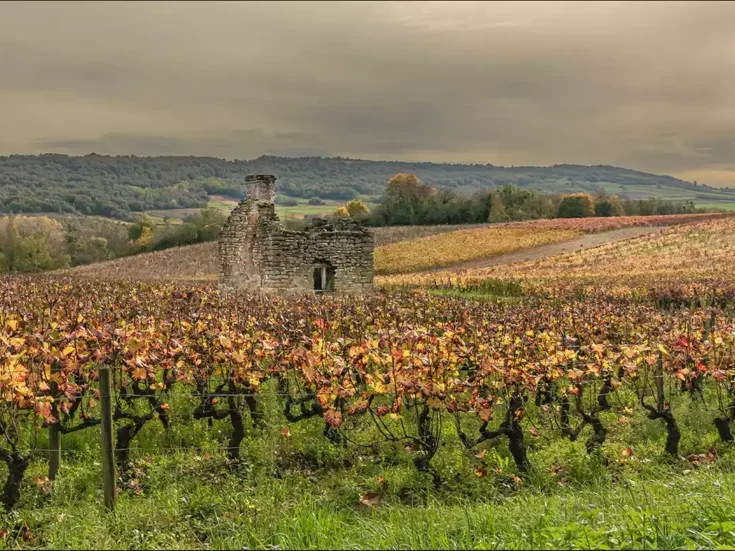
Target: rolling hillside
{"type": "Point", "coordinates": [118, 186]}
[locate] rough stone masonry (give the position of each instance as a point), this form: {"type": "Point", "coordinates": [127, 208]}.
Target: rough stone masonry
{"type": "Point", "coordinates": [257, 253]}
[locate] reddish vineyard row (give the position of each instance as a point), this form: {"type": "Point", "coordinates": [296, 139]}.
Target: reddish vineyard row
{"type": "Point", "coordinates": [395, 369]}
{"type": "Point", "coordinates": [592, 225]}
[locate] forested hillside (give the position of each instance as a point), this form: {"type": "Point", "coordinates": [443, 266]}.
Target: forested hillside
{"type": "Point", "coordinates": [118, 186]}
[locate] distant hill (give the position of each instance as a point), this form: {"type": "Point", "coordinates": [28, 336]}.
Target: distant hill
{"type": "Point", "coordinates": [116, 186]}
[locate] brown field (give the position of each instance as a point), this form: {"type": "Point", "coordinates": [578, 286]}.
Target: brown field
{"type": "Point", "coordinates": [198, 262]}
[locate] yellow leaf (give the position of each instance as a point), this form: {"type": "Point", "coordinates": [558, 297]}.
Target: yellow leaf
{"type": "Point", "coordinates": [134, 345]}
{"type": "Point", "coordinates": [140, 373]}
{"type": "Point", "coordinates": [434, 403]}
{"type": "Point", "coordinates": [68, 350]}
{"type": "Point", "coordinates": [13, 324]}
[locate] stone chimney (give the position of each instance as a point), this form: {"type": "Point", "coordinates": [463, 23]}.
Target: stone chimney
{"type": "Point", "coordinates": [261, 187]}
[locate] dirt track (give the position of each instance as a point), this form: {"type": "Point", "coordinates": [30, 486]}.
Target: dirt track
{"type": "Point", "coordinates": [586, 241]}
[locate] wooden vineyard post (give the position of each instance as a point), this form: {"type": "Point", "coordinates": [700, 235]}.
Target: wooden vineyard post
{"type": "Point", "coordinates": [108, 458]}
{"type": "Point", "coordinates": [54, 445]}
{"type": "Point", "coordinates": [54, 439]}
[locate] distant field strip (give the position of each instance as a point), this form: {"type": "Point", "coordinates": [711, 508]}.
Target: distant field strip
{"type": "Point", "coordinates": [461, 246]}
{"type": "Point", "coordinates": [456, 247]}
{"type": "Point", "coordinates": [193, 262]}
{"type": "Point", "coordinates": [398, 234]}
{"type": "Point", "coordinates": [199, 262]}
{"type": "Point", "coordinates": [400, 249]}
{"type": "Point", "coordinates": [593, 225]}
{"type": "Point", "coordinates": [690, 253]}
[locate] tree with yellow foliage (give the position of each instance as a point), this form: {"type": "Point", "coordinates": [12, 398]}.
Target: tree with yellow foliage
{"type": "Point", "coordinates": [357, 209]}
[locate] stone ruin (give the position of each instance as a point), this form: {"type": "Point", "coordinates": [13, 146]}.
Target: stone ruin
{"type": "Point", "coordinates": [257, 253]}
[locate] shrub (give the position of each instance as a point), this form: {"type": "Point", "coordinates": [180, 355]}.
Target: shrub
{"type": "Point", "coordinates": [578, 205]}
{"type": "Point", "coordinates": [608, 206]}
{"type": "Point", "coordinates": [285, 201]}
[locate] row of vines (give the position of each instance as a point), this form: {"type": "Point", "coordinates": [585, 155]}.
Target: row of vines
{"type": "Point", "coordinates": [391, 369]}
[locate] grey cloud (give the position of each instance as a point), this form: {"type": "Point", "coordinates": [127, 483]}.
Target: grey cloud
{"type": "Point", "coordinates": [238, 144]}
{"type": "Point", "coordinates": [644, 84]}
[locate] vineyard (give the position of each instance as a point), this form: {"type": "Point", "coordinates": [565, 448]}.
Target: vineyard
{"type": "Point", "coordinates": [397, 249]}
{"type": "Point", "coordinates": [460, 246]}
{"type": "Point", "coordinates": [608, 367]}
{"type": "Point", "coordinates": [690, 260]}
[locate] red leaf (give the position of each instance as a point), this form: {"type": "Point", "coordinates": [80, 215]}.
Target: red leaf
{"type": "Point", "coordinates": [333, 417]}
{"type": "Point", "coordinates": [382, 410]}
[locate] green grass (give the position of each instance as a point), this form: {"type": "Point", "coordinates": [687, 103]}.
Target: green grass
{"type": "Point", "coordinates": [302, 209]}
{"type": "Point", "coordinates": [227, 204]}
{"type": "Point", "coordinates": [700, 197]}
{"type": "Point", "coordinates": [300, 491]}
{"type": "Point", "coordinates": [723, 206]}
{"type": "Point", "coordinates": [190, 503]}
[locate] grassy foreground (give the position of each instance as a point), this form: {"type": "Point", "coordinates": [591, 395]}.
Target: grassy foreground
{"type": "Point", "coordinates": [295, 490]}
{"type": "Point", "coordinates": [193, 501]}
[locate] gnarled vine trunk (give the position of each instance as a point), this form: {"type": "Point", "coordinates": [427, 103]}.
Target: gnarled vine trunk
{"type": "Point", "coordinates": [17, 464]}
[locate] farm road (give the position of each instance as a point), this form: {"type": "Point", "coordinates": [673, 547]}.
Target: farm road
{"type": "Point", "coordinates": [586, 241]}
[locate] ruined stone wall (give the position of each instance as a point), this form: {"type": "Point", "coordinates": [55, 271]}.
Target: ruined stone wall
{"type": "Point", "coordinates": [290, 257]}
{"type": "Point", "coordinates": [257, 253]}
{"type": "Point", "coordinates": [238, 253]}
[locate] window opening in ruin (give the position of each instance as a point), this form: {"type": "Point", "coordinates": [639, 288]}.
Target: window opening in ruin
{"type": "Point", "coordinates": [323, 278]}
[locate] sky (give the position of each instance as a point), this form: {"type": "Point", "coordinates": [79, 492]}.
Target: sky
{"type": "Point", "coordinates": [643, 85]}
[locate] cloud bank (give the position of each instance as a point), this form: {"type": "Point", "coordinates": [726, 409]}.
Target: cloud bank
{"type": "Point", "coordinates": [643, 85]}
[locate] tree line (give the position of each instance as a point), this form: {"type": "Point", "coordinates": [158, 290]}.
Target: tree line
{"type": "Point", "coordinates": [121, 186]}
{"type": "Point", "coordinates": [407, 201]}
{"type": "Point", "coordinates": [31, 244]}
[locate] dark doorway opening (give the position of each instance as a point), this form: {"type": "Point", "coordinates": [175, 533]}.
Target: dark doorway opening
{"type": "Point", "coordinates": [323, 278]}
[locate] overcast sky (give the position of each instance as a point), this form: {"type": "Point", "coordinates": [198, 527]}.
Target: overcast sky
{"type": "Point", "coordinates": [642, 85]}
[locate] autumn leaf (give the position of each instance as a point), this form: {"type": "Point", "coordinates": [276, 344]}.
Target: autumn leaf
{"type": "Point", "coordinates": [434, 403]}
{"type": "Point", "coordinates": [333, 417]}
{"type": "Point", "coordinates": [140, 373]}
{"type": "Point", "coordinates": [382, 411]}
{"type": "Point", "coordinates": [134, 345]}
{"type": "Point", "coordinates": [370, 499]}
{"type": "Point", "coordinates": [44, 484]}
